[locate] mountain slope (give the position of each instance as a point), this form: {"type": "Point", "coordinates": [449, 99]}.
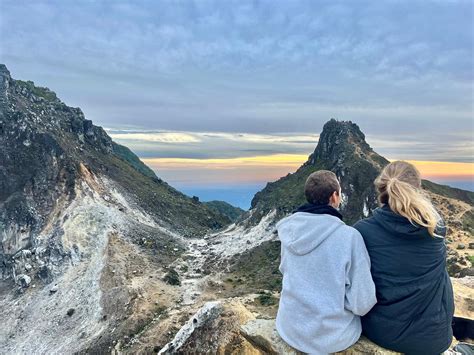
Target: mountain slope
{"type": "Point", "coordinates": [44, 143]}
{"type": "Point", "coordinates": [86, 229]}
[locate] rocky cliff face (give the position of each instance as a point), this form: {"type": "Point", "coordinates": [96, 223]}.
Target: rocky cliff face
{"type": "Point", "coordinates": [49, 148]}
{"type": "Point", "coordinates": [81, 220]}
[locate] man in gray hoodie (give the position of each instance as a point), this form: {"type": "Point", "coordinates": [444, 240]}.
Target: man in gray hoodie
{"type": "Point", "coordinates": [327, 283]}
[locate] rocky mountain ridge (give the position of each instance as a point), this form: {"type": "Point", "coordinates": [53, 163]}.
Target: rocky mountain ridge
{"type": "Point", "coordinates": [81, 220]}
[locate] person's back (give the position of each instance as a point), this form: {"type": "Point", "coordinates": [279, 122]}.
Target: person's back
{"type": "Point", "coordinates": [415, 299]}
{"type": "Point", "coordinates": [326, 275]}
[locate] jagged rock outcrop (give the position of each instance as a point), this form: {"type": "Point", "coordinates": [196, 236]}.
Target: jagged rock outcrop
{"type": "Point", "coordinates": [342, 149]}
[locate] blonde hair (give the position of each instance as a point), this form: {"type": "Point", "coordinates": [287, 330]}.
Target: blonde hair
{"type": "Point", "coordinates": [399, 186]}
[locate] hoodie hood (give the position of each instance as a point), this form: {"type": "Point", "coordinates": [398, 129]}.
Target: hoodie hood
{"type": "Point", "coordinates": [303, 232]}
{"type": "Point", "coordinates": [401, 226]}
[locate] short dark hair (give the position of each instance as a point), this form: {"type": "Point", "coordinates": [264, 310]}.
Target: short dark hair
{"type": "Point", "coordinates": [320, 185]}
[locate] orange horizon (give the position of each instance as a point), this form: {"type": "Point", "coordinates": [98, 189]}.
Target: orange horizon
{"type": "Point", "coordinates": [443, 169]}
{"type": "Point", "coordinates": [267, 168]}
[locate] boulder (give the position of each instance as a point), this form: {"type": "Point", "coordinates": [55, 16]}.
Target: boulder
{"type": "Point", "coordinates": [461, 246]}
{"type": "Point", "coordinates": [263, 334]}
{"type": "Point", "coordinates": [24, 280]}
{"type": "Point", "coordinates": [213, 329]}
{"type": "Point", "coordinates": [209, 312]}
{"type": "Point", "coordinates": [464, 296]}
{"type": "Point", "coordinates": [54, 289]}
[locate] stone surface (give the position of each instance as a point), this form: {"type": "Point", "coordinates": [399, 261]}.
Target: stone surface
{"type": "Point", "coordinates": [24, 280]}
{"type": "Point", "coordinates": [227, 327]}
{"type": "Point", "coordinates": [263, 334]}
{"type": "Point", "coordinates": [208, 313]}
{"type": "Point", "coordinates": [464, 296]}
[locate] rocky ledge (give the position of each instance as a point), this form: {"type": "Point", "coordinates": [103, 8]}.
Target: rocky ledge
{"type": "Point", "coordinates": [228, 327]}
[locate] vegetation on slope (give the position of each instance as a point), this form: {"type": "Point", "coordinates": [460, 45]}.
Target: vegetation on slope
{"type": "Point", "coordinates": [127, 155]}
{"type": "Point", "coordinates": [53, 140]}
{"type": "Point", "coordinates": [448, 191]}
{"type": "Point", "coordinates": [225, 208]}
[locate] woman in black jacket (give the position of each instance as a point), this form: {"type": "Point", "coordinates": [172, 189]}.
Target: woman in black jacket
{"type": "Point", "coordinates": [405, 241]}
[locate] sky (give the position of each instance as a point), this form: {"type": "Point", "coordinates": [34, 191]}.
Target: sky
{"type": "Point", "coordinates": [220, 97]}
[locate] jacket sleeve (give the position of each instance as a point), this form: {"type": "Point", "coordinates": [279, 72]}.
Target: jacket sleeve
{"type": "Point", "coordinates": [360, 288]}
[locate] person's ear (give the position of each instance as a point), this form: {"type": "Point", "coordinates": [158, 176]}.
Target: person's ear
{"type": "Point", "coordinates": [334, 198]}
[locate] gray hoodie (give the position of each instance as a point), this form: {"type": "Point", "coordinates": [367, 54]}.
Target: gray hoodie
{"type": "Point", "coordinates": [326, 283]}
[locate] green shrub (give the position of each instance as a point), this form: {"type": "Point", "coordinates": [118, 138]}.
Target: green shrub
{"type": "Point", "coordinates": [172, 278]}
{"type": "Point", "coordinates": [267, 299]}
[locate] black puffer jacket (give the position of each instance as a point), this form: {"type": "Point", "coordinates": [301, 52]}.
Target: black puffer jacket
{"type": "Point", "coordinates": [415, 304]}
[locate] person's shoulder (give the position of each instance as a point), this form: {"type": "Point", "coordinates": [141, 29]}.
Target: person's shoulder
{"type": "Point", "coordinates": [349, 239]}
{"type": "Point", "coordinates": [350, 232]}
{"type": "Point", "coordinates": [366, 227]}
{"type": "Point", "coordinates": [348, 229]}
{"type": "Point", "coordinates": [361, 224]}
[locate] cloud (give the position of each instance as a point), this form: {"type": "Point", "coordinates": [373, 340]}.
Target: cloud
{"type": "Point", "coordinates": [212, 145]}
{"type": "Point", "coordinates": [369, 37]}
{"type": "Point", "coordinates": [413, 143]}
{"type": "Point", "coordinates": [259, 161]}
{"type": "Point", "coordinates": [176, 70]}
{"type": "Point", "coordinates": [162, 137]}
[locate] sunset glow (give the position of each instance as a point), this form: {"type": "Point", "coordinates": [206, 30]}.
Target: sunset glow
{"type": "Point", "coordinates": [443, 169]}
{"type": "Point", "coordinates": [276, 160]}
{"type": "Point", "coordinates": [264, 168]}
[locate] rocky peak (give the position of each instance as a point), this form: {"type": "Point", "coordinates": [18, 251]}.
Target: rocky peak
{"type": "Point", "coordinates": [342, 149]}
{"type": "Point", "coordinates": [34, 110]}
{"type": "Point", "coordinates": [339, 140]}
